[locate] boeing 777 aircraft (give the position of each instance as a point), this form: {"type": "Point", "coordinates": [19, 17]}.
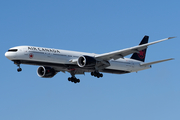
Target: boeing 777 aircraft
{"type": "Point", "coordinates": [52, 61]}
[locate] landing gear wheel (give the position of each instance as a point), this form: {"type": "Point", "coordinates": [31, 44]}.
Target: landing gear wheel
{"type": "Point", "coordinates": [92, 73]}
{"type": "Point", "coordinates": [19, 69]}
{"type": "Point", "coordinates": [96, 74]}
{"type": "Point", "coordinates": [18, 65]}
{"type": "Point", "coordinates": [73, 79]}
{"type": "Point", "coordinates": [78, 80]}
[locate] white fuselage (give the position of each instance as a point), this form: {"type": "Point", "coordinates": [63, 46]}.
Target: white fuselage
{"type": "Point", "coordinates": [41, 56]}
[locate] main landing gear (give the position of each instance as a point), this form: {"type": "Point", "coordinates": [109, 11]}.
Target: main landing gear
{"type": "Point", "coordinates": [18, 64]}
{"type": "Point", "coordinates": [96, 74]}
{"type": "Point", "coordinates": [73, 79]}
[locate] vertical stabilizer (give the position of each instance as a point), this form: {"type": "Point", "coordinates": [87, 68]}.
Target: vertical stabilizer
{"type": "Point", "coordinates": [142, 54]}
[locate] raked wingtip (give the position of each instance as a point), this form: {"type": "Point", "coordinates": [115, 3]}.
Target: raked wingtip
{"type": "Point", "coordinates": [171, 37]}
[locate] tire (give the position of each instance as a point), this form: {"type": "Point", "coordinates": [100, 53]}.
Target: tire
{"type": "Point", "coordinates": [92, 73]}
{"type": "Point", "coordinates": [19, 69]}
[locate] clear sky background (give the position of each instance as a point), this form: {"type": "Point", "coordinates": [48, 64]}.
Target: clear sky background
{"type": "Point", "coordinates": [95, 26]}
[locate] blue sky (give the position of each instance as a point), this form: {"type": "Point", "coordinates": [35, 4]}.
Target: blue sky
{"type": "Point", "coordinates": [96, 26]}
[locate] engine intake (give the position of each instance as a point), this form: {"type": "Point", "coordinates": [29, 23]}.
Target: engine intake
{"type": "Point", "coordinates": [86, 61]}
{"type": "Point", "coordinates": [45, 72]}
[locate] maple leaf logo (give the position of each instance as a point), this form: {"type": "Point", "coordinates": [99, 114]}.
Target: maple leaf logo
{"type": "Point", "coordinates": [31, 56]}
{"type": "Point", "coordinates": [141, 54]}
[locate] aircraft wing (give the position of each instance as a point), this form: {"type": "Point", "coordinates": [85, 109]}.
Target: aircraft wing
{"type": "Point", "coordinates": [124, 52]}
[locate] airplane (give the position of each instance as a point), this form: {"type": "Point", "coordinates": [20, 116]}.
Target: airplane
{"type": "Point", "coordinates": [52, 61]}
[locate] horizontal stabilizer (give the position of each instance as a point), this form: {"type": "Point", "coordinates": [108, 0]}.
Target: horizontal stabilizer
{"type": "Point", "coordinates": [150, 63]}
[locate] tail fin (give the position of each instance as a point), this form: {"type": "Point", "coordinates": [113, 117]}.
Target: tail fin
{"type": "Point", "coordinates": [142, 54]}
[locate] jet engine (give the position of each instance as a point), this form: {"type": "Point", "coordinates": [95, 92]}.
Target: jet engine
{"type": "Point", "coordinates": [86, 61]}
{"type": "Point", "coordinates": [45, 72]}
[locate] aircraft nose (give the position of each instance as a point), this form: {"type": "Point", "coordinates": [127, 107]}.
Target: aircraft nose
{"type": "Point", "coordinates": [9, 55]}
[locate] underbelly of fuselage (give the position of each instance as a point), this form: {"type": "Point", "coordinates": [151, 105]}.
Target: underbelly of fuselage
{"type": "Point", "coordinates": [68, 67]}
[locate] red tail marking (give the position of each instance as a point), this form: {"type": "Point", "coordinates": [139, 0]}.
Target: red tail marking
{"type": "Point", "coordinates": [141, 54]}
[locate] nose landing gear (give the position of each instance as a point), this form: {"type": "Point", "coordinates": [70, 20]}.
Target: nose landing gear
{"type": "Point", "coordinates": [19, 69]}
{"type": "Point", "coordinates": [18, 64]}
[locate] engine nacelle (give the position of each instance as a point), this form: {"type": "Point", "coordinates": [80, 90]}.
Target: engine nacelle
{"type": "Point", "coordinates": [45, 72]}
{"type": "Point", "coordinates": [86, 61]}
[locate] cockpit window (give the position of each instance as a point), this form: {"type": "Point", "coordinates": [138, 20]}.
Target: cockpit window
{"type": "Point", "coordinates": [12, 50]}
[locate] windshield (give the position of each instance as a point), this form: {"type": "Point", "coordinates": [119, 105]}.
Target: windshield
{"type": "Point", "coordinates": [12, 50]}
